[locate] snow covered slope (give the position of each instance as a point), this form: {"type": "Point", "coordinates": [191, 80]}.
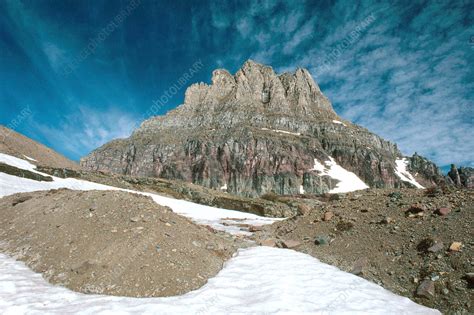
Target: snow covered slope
{"type": "Point", "coordinates": [258, 280]}
{"type": "Point", "coordinates": [348, 181]}
{"type": "Point", "coordinates": [402, 172]}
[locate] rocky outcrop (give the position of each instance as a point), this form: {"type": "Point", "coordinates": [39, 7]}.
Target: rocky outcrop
{"type": "Point", "coordinates": [461, 177]}
{"type": "Point", "coordinates": [425, 171]}
{"type": "Point", "coordinates": [249, 134]}
{"type": "Point", "coordinates": [467, 176]}
{"type": "Point", "coordinates": [453, 174]}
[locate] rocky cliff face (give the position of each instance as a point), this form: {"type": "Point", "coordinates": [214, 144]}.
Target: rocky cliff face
{"type": "Point", "coordinates": [253, 133]}
{"type": "Point", "coordinates": [461, 177]}
{"type": "Point", "coordinates": [425, 171]}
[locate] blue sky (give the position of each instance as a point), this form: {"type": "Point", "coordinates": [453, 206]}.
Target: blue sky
{"type": "Point", "coordinates": [89, 71]}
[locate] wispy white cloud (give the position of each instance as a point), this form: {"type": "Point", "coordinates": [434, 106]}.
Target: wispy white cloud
{"type": "Point", "coordinates": [404, 77]}
{"type": "Point", "coordinates": [55, 55]}
{"type": "Point", "coordinates": [219, 14]}
{"type": "Point", "coordinates": [244, 26]}
{"type": "Point", "coordinates": [407, 77]}
{"type": "Point", "coordinates": [302, 34]}
{"type": "Point", "coordinates": [87, 129]}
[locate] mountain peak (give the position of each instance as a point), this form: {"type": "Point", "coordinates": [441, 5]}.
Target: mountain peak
{"type": "Point", "coordinates": [259, 87]}
{"type": "Point", "coordinates": [255, 132]}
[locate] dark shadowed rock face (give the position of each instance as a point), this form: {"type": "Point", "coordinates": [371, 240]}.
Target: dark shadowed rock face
{"type": "Point", "coordinates": [425, 171]}
{"type": "Point", "coordinates": [454, 175]}
{"type": "Point", "coordinates": [461, 177]}
{"type": "Point", "coordinates": [252, 133]}
{"type": "Point", "coordinates": [467, 176]}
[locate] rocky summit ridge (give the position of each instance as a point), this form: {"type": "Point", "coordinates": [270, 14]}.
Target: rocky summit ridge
{"type": "Point", "coordinates": [258, 132]}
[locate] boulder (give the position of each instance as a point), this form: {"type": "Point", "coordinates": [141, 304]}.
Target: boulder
{"type": "Point", "coordinates": [426, 289]}
{"type": "Point", "coordinates": [328, 216]}
{"type": "Point", "coordinates": [443, 211]}
{"type": "Point", "coordinates": [291, 243]}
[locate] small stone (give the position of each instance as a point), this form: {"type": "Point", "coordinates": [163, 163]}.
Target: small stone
{"type": "Point", "coordinates": [167, 224]}
{"type": "Point", "coordinates": [443, 211]}
{"type": "Point", "coordinates": [321, 240]}
{"type": "Point", "coordinates": [436, 247]}
{"type": "Point", "coordinates": [386, 220]}
{"type": "Point", "coordinates": [328, 216]}
{"type": "Point", "coordinates": [395, 196]}
{"type": "Point", "coordinates": [455, 246]}
{"type": "Point", "coordinates": [360, 266]}
{"type": "Point", "coordinates": [470, 278]}
{"type": "Point", "coordinates": [424, 244]}
{"type": "Point", "coordinates": [415, 211]}
{"type": "Point", "coordinates": [435, 278]}
{"type": "Point", "coordinates": [445, 291]}
{"type": "Point", "coordinates": [303, 209]}
{"type": "Point", "coordinates": [268, 242]}
{"type": "Point", "coordinates": [355, 197]}
{"type": "Point", "coordinates": [426, 289]}
{"type": "Point", "coordinates": [291, 243]}
{"type": "Point", "coordinates": [195, 243]}
{"type": "Point", "coordinates": [255, 228]}
{"type": "Point", "coordinates": [210, 247]}
{"type": "Point", "coordinates": [210, 229]}
{"type": "Point", "coordinates": [135, 219]}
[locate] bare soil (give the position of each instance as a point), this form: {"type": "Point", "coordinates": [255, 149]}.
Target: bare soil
{"type": "Point", "coordinates": [110, 242]}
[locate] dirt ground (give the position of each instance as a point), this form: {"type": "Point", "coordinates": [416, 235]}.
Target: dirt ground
{"type": "Point", "coordinates": [372, 234]}
{"type": "Point", "coordinates": [110, 242]}
{"type": "Point", "coordinates": [119, 243]}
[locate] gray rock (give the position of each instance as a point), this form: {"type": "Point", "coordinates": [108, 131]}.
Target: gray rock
{"type": "Point", "coordinates": [426, 289]}
{"type": "Point", "coordinates": [470, 278]}
{"type": "Point", "coordinates": [436, 247]}
{"type": "Point", "coordinates": [291, 243]}
{"type": "Point", "coordinates": [360, 266]}
{"type": "Point", "coordinates": [454, 175]}
{"type": "Point", "coordinates": [425, 171]}
{"type": "Point", "coordinates": [322, 240]}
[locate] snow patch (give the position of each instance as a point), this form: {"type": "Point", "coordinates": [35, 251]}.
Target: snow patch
{"type": "Point", "coordinates": [16, 162]}
{"type": "Point", "coordinates": [28, 158]}
{"type": "Point", "coordinates": [283, 131]}
{"type": "Point", "coordinates": [302, 189]}
{"type": "Point", "coordinates": [348, 181]}
{"type": "Point", "coordinates": [259, 280]}
{"type": "Point", "coordinates": [201, 214]}
{"type": "Point", "coordinates": [402, 172]}
{"type": "Point", "coordinates": [339, 122]}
